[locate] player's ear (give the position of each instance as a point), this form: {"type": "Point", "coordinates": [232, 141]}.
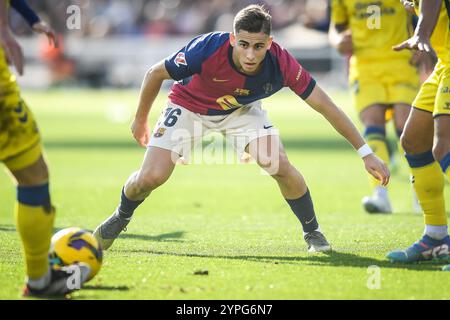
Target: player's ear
{"type": "Point", "coordinates": [269, 43]}
{"type": "Point", "coordinates": [232, 39]}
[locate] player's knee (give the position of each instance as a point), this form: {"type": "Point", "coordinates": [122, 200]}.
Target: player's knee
{"type": "Point", "coordinates": [441, 147]}
{"type": "Point", "coordinates": [409, 144]}
{"type": "Point", "coordinates": [282, 167]}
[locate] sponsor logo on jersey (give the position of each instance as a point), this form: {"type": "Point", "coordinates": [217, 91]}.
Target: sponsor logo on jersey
{"type": "Point", "coordinates": [299, 74]}
{"type": "Point", "coordinates": [241, 92]}
{"type": "Point", "coordinates": [159, 132]}
{"type": "Point", "coordinates": [180, 59]}
{"type": "Point", "coordinates": [445, 90]}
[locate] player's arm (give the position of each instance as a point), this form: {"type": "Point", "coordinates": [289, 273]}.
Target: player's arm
{"type": "Point", "coordinates": [429, 13]}
{"type": "Point", "coordinates": [149, 90]}
{"type": "Point", "coordinates": [320, 102]}
{"type": "Point", "coordinates": [340, 37]}
{"type": "Point", "coordinates": [408, 5]}
{"type": "Point", "coordinates": [339, 33]}
{"type": "Point", "coordinates": [34, 21]}
{"type": "Point", "coordinates": [13, 51]}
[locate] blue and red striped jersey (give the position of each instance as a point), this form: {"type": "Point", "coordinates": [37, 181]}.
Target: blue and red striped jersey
{"type": "Point", "coordinates": [209, 83]}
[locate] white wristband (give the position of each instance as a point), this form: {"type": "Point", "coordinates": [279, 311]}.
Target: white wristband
{"type": "Point", "coordinates": [365, 150]}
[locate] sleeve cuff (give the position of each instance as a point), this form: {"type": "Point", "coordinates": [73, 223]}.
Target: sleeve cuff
{"type": "Point", "coordinates": [309, 89]}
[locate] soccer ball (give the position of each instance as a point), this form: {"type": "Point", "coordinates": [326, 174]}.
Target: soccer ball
{"type": "Point", "coordinates": [72, 245]}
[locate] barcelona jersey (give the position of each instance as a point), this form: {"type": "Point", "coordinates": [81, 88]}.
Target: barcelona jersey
{"type": "Point", "coordinates": [209, 83]}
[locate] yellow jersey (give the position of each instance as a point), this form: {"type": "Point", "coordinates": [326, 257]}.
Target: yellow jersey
{"type": "Point", "coordinates": [376, 27]}
{"type": "Point", "coordinates": [440, 39]}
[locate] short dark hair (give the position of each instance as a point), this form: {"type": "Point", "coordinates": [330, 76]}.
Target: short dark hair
{"type": "Point", "coordinates": [253, 18]}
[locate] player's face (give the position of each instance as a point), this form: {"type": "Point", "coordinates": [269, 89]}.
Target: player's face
{"type": "Point", "coordinates": [249, 50]}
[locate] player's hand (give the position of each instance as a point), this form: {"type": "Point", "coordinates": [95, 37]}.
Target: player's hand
{"type": "Point", "coordinates": [408, 5]}
{"type": "Point", "coordinates": [141, 132]}
{"type": "Point", "coordinates": [13, 50]}
{"type": "Point", "coordinates": [345, 45]}
{"type": "Point", "coordinates": [416, 42]}
{"type": "Point", "coordinates": [377, 168]}
{"type": "Point", "coordinates": [42, 27]}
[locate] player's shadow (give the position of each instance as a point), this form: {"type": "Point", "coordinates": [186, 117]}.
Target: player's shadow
{"type": "Point", "coordinates": [106, 288]}
{"type": "Point", "coordinates": [335, 258]}
{"type": "Point", "coordinates": [7, 228]}
{"type": "Point", "coordinates": [164, 237]}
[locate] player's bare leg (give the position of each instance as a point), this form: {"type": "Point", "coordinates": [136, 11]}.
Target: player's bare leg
{"type": "Point", "coordinates": [270, 155]}
{"type": "Point", "coordinates": [156, 168]}
{"type": "Point", "coordinates": [374, 120]}
{"type": "Point", "coordinates": [401, 113]}
{"type": "Point", "coordinates": [428, 182]}
{"type": "Point", "coordinates": [442, 137]}
{"type": "Point", "coordinates": [33, 175]}
{"type": "Point", "coordinates": [441, 152]}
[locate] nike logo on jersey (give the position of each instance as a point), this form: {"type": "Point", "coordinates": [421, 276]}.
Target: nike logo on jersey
{"type": "Point", "coordinates": [267, 127]}
{"type": "Point", "coordinates": [220, 80]}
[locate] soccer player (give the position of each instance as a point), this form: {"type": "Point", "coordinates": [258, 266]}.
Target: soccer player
{"type": "Point", "coordinates": [221, 78]}
{"type": "Point", "coordinates": [383, 82]}
{"type": "Point", "coordinates": [426, 139]}
{"type": "Point", "coordinates": [21, 152]}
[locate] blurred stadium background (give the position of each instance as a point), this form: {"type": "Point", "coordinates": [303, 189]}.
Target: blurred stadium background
{"type": "Point", "coordinates": [118, 40]}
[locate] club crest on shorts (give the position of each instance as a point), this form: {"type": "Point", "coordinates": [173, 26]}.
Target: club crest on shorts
{"type": "Point", "coordinates": [180, 59]}
{"type": "Point", "coordinates": [159, 132]}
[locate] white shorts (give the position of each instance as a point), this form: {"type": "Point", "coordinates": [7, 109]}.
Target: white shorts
{"type": "Point", "coordinates": [180, 130]}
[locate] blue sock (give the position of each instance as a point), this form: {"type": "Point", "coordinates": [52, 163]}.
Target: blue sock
{"type": "Point", "coordinates": [127, 206]}
{"type": "Point", "coordinates": [304, 210]}
{"type": "Point", "coordinates": [35, 196]}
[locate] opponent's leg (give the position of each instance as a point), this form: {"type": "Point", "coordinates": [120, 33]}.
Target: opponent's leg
{"type": "Point", "coordinates": [156, 168]}
{"type": "Point", "coordinates": [401, 113]}
{"type": "Point", "coordinates": [271, 156]}
{"type": "Point", "coordinates": [34, 219]}
{"type": "Point", "coordinates": [428, 182]}
{"type": "Point", "coordinates": [374, 120]}
{"type": "Point", "coordinates": [441, 150]}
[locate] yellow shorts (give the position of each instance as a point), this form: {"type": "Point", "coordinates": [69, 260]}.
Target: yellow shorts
{"type": "Point", "coordinates": [434, 95]}
{"type": "Point", "coordinates": [387, 82]}
{"type": "Point", "coordinates": [20, 142]}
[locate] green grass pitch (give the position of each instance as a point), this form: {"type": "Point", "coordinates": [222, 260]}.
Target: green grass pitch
{"type": "Point", "coordinates": [227, 219]}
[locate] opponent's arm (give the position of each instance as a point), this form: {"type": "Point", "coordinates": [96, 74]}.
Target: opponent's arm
{"type": "Point", "coordinates": [408, 5]}
{"type": "Point", "coordinates": [13, 51]}
{"type": "Point", "coordinates": [429, 13]}
{"type": "Point", "coordinates": [149, 90]}
{"type": "Point", "coordinates": [34, 21]}
{"type": "Point", "coordinates": [340, 37]}
{"type": "Point", "coordinates": [320, 102]}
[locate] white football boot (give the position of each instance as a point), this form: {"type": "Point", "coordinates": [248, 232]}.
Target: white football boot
{"type": "Point", "coordinates": [378, 202]}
